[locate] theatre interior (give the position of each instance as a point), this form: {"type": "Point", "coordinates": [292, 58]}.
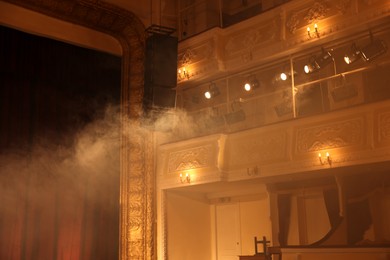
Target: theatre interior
{"type": "Point", "coordinates": [195, 129]}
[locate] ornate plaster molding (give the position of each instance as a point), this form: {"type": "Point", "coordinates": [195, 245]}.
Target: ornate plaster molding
{"type": "Point", "coordinates": [137, 180]}
{"type": "Point", "coordinates": [339, 134]}
{"type": "Point", "coordinates": [317, 12]}
{"type": "Point", "coordinates": [195, 158]}
{"type": "Point", "coordinates": [307, 15]}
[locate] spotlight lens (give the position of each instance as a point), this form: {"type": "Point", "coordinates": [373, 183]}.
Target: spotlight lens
{"type": "Point", "coordinates": [207, 94]}
{"type": "Point", "coordinates": [247, 86]}
{"type": "Point", "coordinates": [283, 76]}
{"type": "Point", "coordinates": [306, 68]}
{"type": "Point", "coordinates": [347, 59]}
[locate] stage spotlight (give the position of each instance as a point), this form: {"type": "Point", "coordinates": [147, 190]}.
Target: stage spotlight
{"type": "Point", "coordinates": [373, 50]}
{"type": "Point", "coordinates": [213, 91]}
{"type": "Point", "coordinates": [251, 84]}
{"type": "Point", "coordinates": [283, 76]}
{"type": "Point", "coordinates": [353, 55]}
{"type": "Point", "coordinates": [317, 63]}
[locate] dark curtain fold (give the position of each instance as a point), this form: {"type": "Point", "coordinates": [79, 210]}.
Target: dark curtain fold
{"type": "Point", "coordinates": [284, 209]}
{"type": "Point", "coordinates": [59, 150]}
{"type": "Point", "coordinates": [359, 220]}
{"type": "Point", "coordinates": [331, 198]}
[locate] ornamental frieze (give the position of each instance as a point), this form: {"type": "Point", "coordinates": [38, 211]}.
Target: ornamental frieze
{"type": "Point", "coordinates": [306, 15]}
{"type": "Point", "coordinates": [332, 135]}
{"type": "Point", "coordinates": [317, 12]}
{"type": "Point", "coordinates": [195, 158]}
{"type": "Point", "coordinates": [197, 53]}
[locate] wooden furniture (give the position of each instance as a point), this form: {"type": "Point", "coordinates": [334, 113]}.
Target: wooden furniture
{"type": "Point", "coordinates": [264, 242]}
{"type": "Point", "coordinates": [253, 257]}
{"type": "Point", "coordinates": [258, 255]}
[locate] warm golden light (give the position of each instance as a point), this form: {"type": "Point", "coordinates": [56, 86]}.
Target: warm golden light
{"type": "Point", "coordinates": [328, 160]}
{"type": "Point", "coordinates": [186, 179]}
{"type": "Point", "coordinates": [315, 34]}
{"type": "Point", "coordinates": [306, 69]}
{"type": "Point", "coordinates": [183, 73]}
{"type": "Point", "coordinates": [251, 84]}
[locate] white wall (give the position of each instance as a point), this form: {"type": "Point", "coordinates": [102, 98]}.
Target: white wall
{"type": "Point", "coordinates": [188, 228]}
{"type": "Point", "coordinates": [255, 221]}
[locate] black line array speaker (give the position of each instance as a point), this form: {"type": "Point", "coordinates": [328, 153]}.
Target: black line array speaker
{"type": "Point", "coordinates": [160, 72]}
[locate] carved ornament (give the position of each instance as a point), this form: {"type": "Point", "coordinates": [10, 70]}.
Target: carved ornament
{"type": "Point", "coordinates": [333, 135]}
{"type": "Point", "coordinates": [317, 12]}
{"type": "Point", "coordinates": [195, 158]}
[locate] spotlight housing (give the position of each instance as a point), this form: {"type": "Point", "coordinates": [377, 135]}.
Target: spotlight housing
{"type": "Point", "coordinates": [353, 55]}
{"type": "Point", "coordinates": [317, 63]}
{"type": "Point", "coordinates": [212, 92]}
{"type": "Point", "coordinates": [251, 84]}
{"type": "Point", "coordinates": [373, 50]}
{"type": "Point", "coordinates": [285, 75]}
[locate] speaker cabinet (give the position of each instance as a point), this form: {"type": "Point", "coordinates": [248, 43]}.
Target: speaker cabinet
{"type": "Point", "coordinates": [160, 72]}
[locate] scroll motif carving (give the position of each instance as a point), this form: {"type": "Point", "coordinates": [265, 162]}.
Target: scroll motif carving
{"type": "Point", "coordinates": [329, 136]}
{"type": "Point", "coordinates": [190, 159]}
{"type": "Point", "coordinates": [197, 53]}
{"type": "Point", "coordinates": [292, 23]}
{"type": "Point", "coordinates": [186, 58]}
{"type": "Point", "coordinates": [317, 12]}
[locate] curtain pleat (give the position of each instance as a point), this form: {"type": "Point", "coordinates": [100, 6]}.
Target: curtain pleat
{"type": "Point", "coordinates": [59, 194]}
{"type": "Point", "coordinates": [284, 209]}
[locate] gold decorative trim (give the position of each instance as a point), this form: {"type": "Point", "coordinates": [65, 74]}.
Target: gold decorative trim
{"type": "Point", "coordinates": [137, 181]}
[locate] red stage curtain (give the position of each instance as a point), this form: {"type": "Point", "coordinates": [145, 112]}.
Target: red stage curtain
{"type": "Point", "coordinates": [59, 150]}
